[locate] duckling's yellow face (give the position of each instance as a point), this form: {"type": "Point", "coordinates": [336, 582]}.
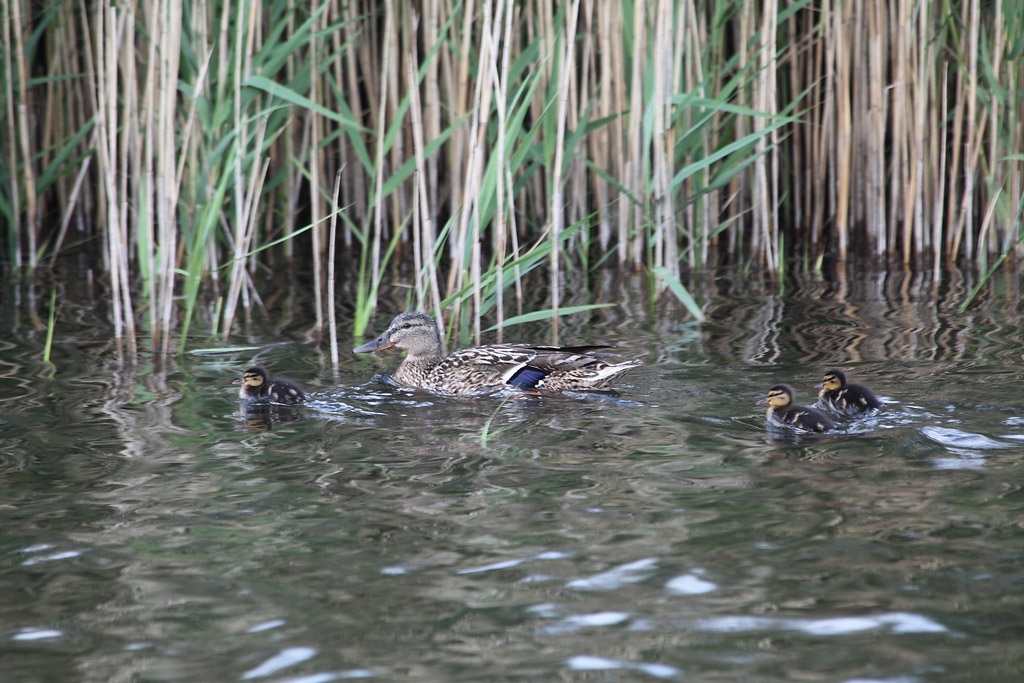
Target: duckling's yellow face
{"type": "Point", "coordinates": [777, 397]}
{"type": "Point", "coordinates": [830, 382]}
{"type": "Point", "coordinates": [252, 379]}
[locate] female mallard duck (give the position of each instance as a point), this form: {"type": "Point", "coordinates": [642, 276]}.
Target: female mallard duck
{"type": "Point", "coordinates": [782, 411]}
{"type": "Point", "coordinates": [845, 399]}
{"type": "Point", "coordinates": [486, 369]}
{"type": "Point", "coordinates": [258, 387]}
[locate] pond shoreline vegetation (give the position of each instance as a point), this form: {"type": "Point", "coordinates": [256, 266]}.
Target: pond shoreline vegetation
{"type": "Point", "coordinates": [466, 144]}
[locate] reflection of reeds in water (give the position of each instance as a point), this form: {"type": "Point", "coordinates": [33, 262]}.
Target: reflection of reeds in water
{"type": "Point", "coordinates": [896, 315]}
{"type": "Point", "coordinates": [664, 135]}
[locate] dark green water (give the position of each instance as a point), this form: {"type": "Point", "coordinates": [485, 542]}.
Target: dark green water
{"type": "Point", "coordinates": [153, 531]}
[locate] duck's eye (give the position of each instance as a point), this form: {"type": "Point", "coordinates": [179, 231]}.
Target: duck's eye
{"type": "Point", "coordinates": [406, 326]}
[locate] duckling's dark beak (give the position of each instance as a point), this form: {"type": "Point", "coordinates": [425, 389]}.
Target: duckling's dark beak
{"type": "Point", "coordinates": [819, 386]}
{"type": "Point", "coordinates": [379, 344]}
{"type": "Point", "coordinates": [240, 380]}
{"type": "Point", "coordinates": [762, 401]}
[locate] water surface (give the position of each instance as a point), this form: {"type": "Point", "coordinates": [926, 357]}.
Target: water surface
{"type": "Point", "coordinates": [154, 530]}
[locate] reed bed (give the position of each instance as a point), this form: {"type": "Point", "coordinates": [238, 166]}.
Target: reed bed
{"type": "Point", "coordinates": [186, 150]}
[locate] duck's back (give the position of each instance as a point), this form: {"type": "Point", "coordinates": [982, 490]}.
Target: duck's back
{"type": "Point", "coordinates": [853, 399]}
{"type": "Point", "coordinates": [485, 369]}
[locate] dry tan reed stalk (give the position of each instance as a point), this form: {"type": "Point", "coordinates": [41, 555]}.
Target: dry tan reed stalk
{"type": "Point", "coordinates": [770, 22]}
{"type": "Point", "coordinates": [765, 217]}
{"type": "Point", "coordinates": [875, 225]}
{"type": "Point", "coordinates": [423, 230]}
{"type": "Point", "coordinates": [823, 161]}
{"type": "Point", "coordinates": [514, 238]}
{"type": "Point", "coordinates": [332, 319]}
{"type": "Point", "coordinates": [499, 82]}
{"type": "Point", "coordinates": [461, 138]}
{"type": "Point", "coordinates": [106, 100]}
{"type": "Point", "coordinates": [634, 155]}
{"type": "Point", "coordinates": [469, 218]}
{"type": "Point", "coordinates": [998, 46]}
{"type": "Point", "coordinates": [245, 225]}
{"type": "Point", "coordinates": [431, 107]}
{"type": "Point", "coordinates": [144, 194]}
{"type": "Point", "coordinates": [419, 181]}
{"type": "Point", "coordinates": [356, 187]}
{"type": "Point", "coordinates": [69, 210]}
{"type": "Point", "coordinates": [738, 184]}
{"type": "Point", "coordinates": [167, 178]}
{"type": "Point", "coordinates": [108, 41]}
{"type": "Point", "coordinates": [293, 173]}
{"type": "Point", "coordinates": [579, 98]}
{"type": "Point", "coordinates": [378, 209]}
{"type": "Point", "coordinates": [617, 132]}
{"type": "Point", "coordinates": [543, 16]}
{"type": "Point", "coordinates": [844, 124]}
{"type": "Point", "coordinates": [391, 81]}
{"type": "Point", "coordinates": [565, 62]}
{"type": "Point", "coordinates": [922, 97]}
{"type": "Point", "coordinates": [966, 224]}
{"type": "Point", "coordinates": [488, 54]}
{"type": "Point", "coordinates": [664, 208]}
{"type": "Point", "coordinates": [939, 184]}
{"type": "Point", "coordinates": [28, 183]}
{"type": "Point", "coordinates": [598, 144]}
{"type": "Point", "coordinates": [812, 140]}
{"type": "Point", "coordinates": [315, 198]}
{"type": "Point", "coordinates": [688, 40]}
{"type": "Point", "coordinates": [953, 175]}
{"type": "Point", "coordinates": [12, 150]}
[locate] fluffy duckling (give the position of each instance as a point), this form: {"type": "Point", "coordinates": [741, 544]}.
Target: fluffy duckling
{"type": "Point", "coordinates": [783, 412]}
{"type": "Point", "coordinates": [258, 387]}
{"type": "Point", "coordinates": [487, 369]}
{"type": "Point", "coordinates": [845, 399]}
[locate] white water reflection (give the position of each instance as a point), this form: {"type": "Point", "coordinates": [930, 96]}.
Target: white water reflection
{"type": "Point", "coordinates": [27, 634]}
{"type": "Point", "coordinates": [689, 584]}
{"type": "Point", "coordinates": [895, 622]}
{"type": "Point", "coordinates": [612, 579]}
{"type": "Point", "coordinates": [577, 622]}
{"type": "Point", "coordinates": [594, 663]}
{"type": "Point", "coordinates": [284, 659]}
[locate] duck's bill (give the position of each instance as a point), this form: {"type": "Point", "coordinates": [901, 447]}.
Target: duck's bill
{"type": "Point", "coordinates": [379, 344]}
{"type": "Point", "coordinates": [240, 380]}
{"type": "Point", "coordinates": [762, 402]}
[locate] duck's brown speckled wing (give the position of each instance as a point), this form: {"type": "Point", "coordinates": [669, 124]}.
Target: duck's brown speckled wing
{"type": "Point", "coordinates": [491, 368]}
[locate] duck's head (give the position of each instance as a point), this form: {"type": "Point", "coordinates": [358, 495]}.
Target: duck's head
{"type": "Point", "coordinates": [778, 396]}
{"type": "Point", "coordinates": [253, 378]}
{"type": "Point", "coordinates": [833, 380]}
{"type": "Point", "coordinates": [415, 333]}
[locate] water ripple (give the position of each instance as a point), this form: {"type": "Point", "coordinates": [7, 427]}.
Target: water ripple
{"type": "Point", "coordinates": [899, 622]}
{"type": "Point", "coordinates": [282, 660]}
{"type": "Point", "coordinates": [613, 579]}
{"type": "Point", "coordinates": [594, 663]}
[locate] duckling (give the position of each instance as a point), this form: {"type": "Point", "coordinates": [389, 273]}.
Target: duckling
{"type": "Point", "coordinates": [782, 411]}
{"type": "Point", "coordinates": [257, 386]}
{"type": "Point", "coordinates": [845, 399]}
{"type": "Point", "coordinates": [487, 369]}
